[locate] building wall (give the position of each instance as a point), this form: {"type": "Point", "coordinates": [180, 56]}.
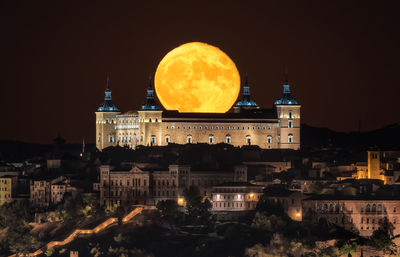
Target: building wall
{"type": "Point", "coordinates": [133, 130]}
{"type": "Point", "coordinates": [359, 216]}
{"type": "Point", "coordinates": [145, 187]}
{"type": "Point", "coordinates": [8, 188]}
{"type": "Point", "coordinates": [105, 129]}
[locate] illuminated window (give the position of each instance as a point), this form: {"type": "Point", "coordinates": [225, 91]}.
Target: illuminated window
{"type": "Point", "coordinates": [269, 139]}
{"type": "Point", "coordinates": [278, 138]}
{"type": "Point", "coordinates": [228, 139]}
{"type": "Point", "coordinates": [189, 139]}
{"type": "Point", "coordinates": [290, 138]}
{"type": "Point", "coordinates": [210, 139]}
{"type": "Point", "coordinates": [290, 115]}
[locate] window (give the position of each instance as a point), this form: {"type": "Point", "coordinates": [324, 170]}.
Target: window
{"type": "Point", "coordinates": [248, 140]}
{"type": "Point", "coordinates": [228, 139]}
{"type": "Point", "coordinates": [153, 140]}
{"type": "Point", "coordinates": [149, 119]}
{"type": "Point", "coordinates": [210, 139]}
{"type": "Point", "coordinates": [290, 138]}
{"type": "Point", "coordinates": [290, 124]}
{"type": "Point", "coordinates": [167, 139]}
{"type": "Point", "coordinates": [290, 115]}
{"type": "Point", "coordinates": [269, 139]}
{"type": "Point", "coordinates": [189, 139]}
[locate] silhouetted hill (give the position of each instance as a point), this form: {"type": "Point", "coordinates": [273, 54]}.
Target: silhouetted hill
{"type": "Point", "coordinates": [20, 151]}
{"type": "Point", "coordinates": [384, 138]}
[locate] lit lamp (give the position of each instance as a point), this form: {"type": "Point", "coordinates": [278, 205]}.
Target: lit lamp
{"type": "Point", "coordinates": [180, 201]}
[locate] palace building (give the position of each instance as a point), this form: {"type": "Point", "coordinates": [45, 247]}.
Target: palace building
{"type": "Point", "coordinates": [246, 124]}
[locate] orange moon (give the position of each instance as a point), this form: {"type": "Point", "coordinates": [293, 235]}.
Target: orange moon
{"type": "Point", "coordinates": [197, 77]}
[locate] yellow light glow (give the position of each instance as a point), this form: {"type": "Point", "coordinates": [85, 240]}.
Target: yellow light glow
{"type": "Point", "coordinates": [197, 77]}
{"type": "Point", "coordinates": [298, 214]}
{"type": "Point", "coordinates": [251, 195]}
{"type": "Point", "coordinates": [180, 201]}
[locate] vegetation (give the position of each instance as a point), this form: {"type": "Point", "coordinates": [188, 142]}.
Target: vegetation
{"type": "Point", "coordinates": [14, 220]}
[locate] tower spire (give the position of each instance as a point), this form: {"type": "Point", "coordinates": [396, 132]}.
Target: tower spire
{"type": "Point", "coordinates": [150, 103]}
{"type": "Point", "coordinates": [247, 101]}
{"type": "Point", "coordinates": [286, 98]}
{"type": "Point", "coordinates": [108, 105]}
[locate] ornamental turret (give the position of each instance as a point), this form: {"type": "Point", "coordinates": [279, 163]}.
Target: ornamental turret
{"type": "Point", "coordinates": [108, 105]}
{"type": "Point", "coordinates": [150, 104]}
{"type": "Point", "coordinates": [247, 102]}
{"type": "Point", "coordinates": [286, 98]}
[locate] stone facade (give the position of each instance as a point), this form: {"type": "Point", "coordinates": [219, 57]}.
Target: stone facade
{"type": "Point", "coordinates": [149, 186]}
{"type": "Point", "coordinates": [356, 214]}
{"type": "Point", "coordinates": [276, 128]}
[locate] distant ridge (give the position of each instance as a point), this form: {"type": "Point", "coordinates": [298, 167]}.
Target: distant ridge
{"type": "Point", "coordinates": [386, 138]}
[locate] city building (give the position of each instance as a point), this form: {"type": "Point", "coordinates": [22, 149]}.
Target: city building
{"type": "Point", "coordinates": [383, 165]}
{"type": "Point", "coordinates": [149, 185]}
{"type": "Point", "coordinates": [47, 192]}
{"type": "Point", "coordinates": [8, 188]}
{"type": "Point", "coordinates": [360, 214]}
{"type": "Point", "coordinates": [231, 200]}
{"type": "Point", "coordinates": [245, 124]}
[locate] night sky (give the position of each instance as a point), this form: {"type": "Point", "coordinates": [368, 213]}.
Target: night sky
{"type": "Point", "coordinates": [342, 58]}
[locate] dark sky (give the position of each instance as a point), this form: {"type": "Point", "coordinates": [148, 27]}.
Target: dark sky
{"type": "Point", "coordinates": [342, 58]}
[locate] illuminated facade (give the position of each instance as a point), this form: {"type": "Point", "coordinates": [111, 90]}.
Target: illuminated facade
{"type": "Point", "coordinates": [149, 185]}
{"type": "Point", "coordinates": [246, 124]}
{"type": "Point", "coordinates": [361, 215]}
{"type": "Point", "coordinates": [383, 165]}
{"type": "Point", "coordinates": [8, 188]}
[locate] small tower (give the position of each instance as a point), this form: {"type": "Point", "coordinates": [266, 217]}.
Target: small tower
{"type": "Point", "coordinates": [288, 113]}
{"type": "Point", "coordinates": [247, 102]}
{"type": "Point", "coordinates": [150, 119]}
{"type": "Point", "coordinates": [106, 120]}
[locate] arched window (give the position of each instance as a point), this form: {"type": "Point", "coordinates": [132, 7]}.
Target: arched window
{"type": "Point", "coordinates": [189, 139]}
{"type": "Point", "coordinates": [149, 119]}
{"type": "Point", "coordinates": [368, 209]}
{"type": "Point", "coordinates": [290, 115]}
{"type": "Point", "coordinates": [379, 207]}
{"type": "Point", "coordinates": [374, 208]}
{"type": "Point", "coordinates": [325, 207]}
{"type": "Point", "coordinates": [290, 138]}
{"type": "Point", "coordinates": [167, 139]}
{"type": "Point", "coordinates": [290, 124]}
{"type": "Point", "coordinates": [269, 139]}
{"type": "Point", "coordinates": [248, 140]}
{"type": "Point", "coordinates": [210, 139]}
{"type": "Point", "coordinates": [228, 139]}
{"type": "Point", "coordinates": [153, 140]}
{"type": "Point", "coordinates": [331, 208]}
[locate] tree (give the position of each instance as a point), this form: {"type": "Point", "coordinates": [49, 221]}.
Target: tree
{"type": "Point", "coordinates": [348, 248]}
{"type": "Point", "coordinates": [168, 211]}
{"type": "Point", "coordinates": [198, 211]}
{"type": "Point", "coordinates": [381, 239]}
{"type": "Point", "coordinates": [270, 223]}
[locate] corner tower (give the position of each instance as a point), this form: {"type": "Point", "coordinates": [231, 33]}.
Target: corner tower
{"type": "Point", "coordinates": [288, 113]}
{"type": "Point", "coordinates": [106, 120]}
{"type": "Point", "coordinates": [150, 118]}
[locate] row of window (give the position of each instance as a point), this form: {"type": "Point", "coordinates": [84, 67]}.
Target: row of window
{"type": "Point", "coordinates": [228, 139]}
{"type": "Point", "coordinates": [135, 182]}
{"type": "Point", "coordinates": [135, 193]}
{"type": "Point", "coordinates": [6, 195]}
{"type": "Point", "coordinates": [233, 205]}
{"type": "Point", "coordinates": [218, 127]}
{"type": "Point", "coordinates": [367, 220]}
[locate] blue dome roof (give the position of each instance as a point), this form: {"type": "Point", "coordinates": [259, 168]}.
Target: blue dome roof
{"type": "Point", "coordinates": [108, 105]}
{"type": "Point", "coordinates": [150, 104]}
{"type": "Point", "coordinates": [247, 100]}
{"type": "Point", "coordinates": [286, 98]}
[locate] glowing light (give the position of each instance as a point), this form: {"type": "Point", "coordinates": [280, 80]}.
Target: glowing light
{"type": "Point", "coordinates": [197, 77]}
{"type": "Point", "coordinates": [298, 214]}
{"type": "Point", "coordinates": [251, 195]}
{"type": "Point", "coordinates": [180, 201]}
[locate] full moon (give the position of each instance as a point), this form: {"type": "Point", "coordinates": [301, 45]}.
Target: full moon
{"type": "Point", "coordinates": [197, 77]}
